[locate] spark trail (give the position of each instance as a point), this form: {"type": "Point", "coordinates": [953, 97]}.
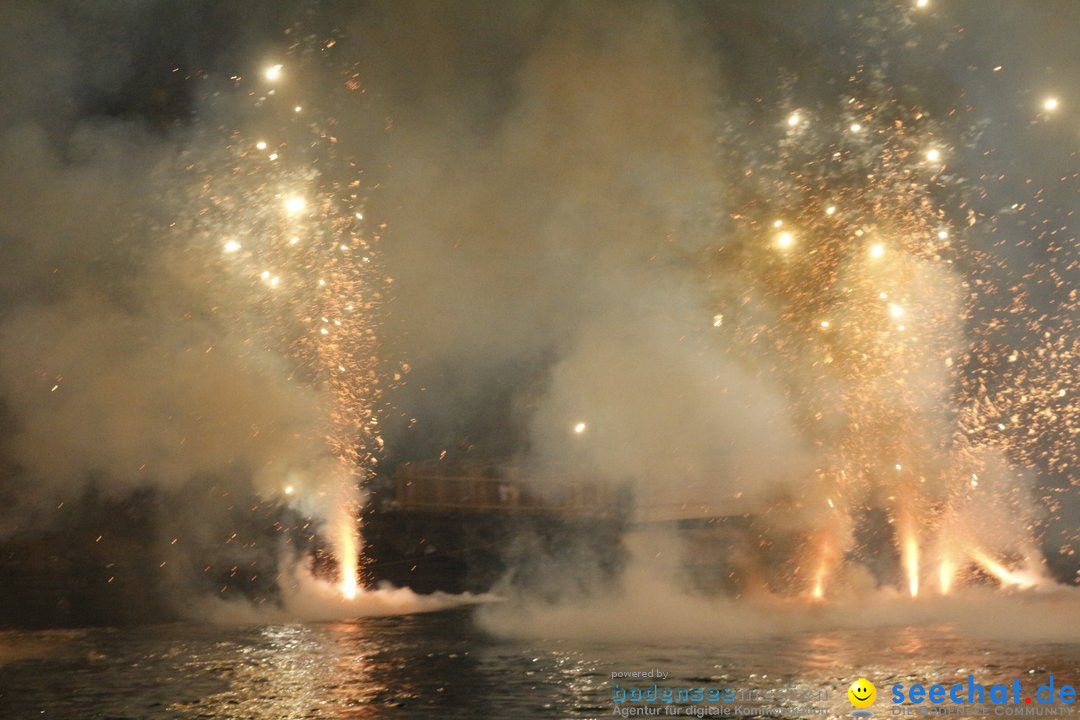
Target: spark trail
{"type": "Point", "coordinates": [860, 273]}
{"type": "Point", "coordinates": [279, 223]}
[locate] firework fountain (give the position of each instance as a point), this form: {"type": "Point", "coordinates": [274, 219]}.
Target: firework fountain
{"type": "Point", "coordinates": [281, 218]}
{"type": "Point", "coordinates": [877, 266]}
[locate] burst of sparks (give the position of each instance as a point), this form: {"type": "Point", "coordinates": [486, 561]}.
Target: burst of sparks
{"type": "Point", "coordinates": [914, 323]}
{"type": "Point", "coordinates": [294, 291]}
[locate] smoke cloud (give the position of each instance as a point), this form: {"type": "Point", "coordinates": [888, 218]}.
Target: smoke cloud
{"type": "Point", "coordinates": [552, 199]}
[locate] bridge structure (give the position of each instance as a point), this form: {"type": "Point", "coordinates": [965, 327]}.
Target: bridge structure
{"type": "Point", "coordinates": [435, 487]}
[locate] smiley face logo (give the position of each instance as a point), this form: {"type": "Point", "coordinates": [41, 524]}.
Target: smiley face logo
{"type": "Point", "coordinates": [862, 693]}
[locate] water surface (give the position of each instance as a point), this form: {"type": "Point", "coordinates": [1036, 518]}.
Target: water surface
{"type": "Point", "coordinates": [442, 665]}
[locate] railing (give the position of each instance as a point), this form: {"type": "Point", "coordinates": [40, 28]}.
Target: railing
{"type": "Point", "coordinates": [424, 488]}
{"type": "Point", "coordinates": [438, 486]}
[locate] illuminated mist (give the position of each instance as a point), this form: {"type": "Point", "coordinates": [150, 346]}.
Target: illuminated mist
{"type": "Point", "coordinates": [685, 250]}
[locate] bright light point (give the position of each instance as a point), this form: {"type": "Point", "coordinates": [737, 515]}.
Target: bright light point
{"type": "Point", "coordinates": [294, 240]}
{"type": "Point", "coordinates": [884, 296]}
{"type": "Point", "coordinates": [933, 155]}
{"type": "Point", "coordinates": [793, 119]}
{"type": "Point", "coordinates": [324, 331]}
{"type": "Point", "coordinates": [777, 223]}
{"type": "Point", "coordinates": [1050, 104]}
{"type": "Point", "coordinates": [911, 564]}
{"type": "Point", "coordinates": [901, 328]}
{"type": "Point", "coordinates": [273, 72]}
{"type": "Point", "coordinates": [717, 320]}
{"type": "Point", "coordinates": [899, 466]}
{"type": "Point", "coordinates": [922, 3]}
{"type": "Point", "coordinates": [943, 234]}
{"type": "Point", "coordinates": [359, 216]}
{"type": "Point", "coordinates": [260, 145]}
{"type": "Point", "coordinates": [580, 428]}
{"type": "Point", "coordinates": [265, 275]}
{"type": "Point", "coordinates": [831, 210]}
{"type": "Point", "coordinates": [785, 239]}
{"type": "Point", "coordinates": [349, 590]}
{"type": "Point", "coordinates": [294, 205]}
{"type": "Point", "coordinates": [274, 281]}
{"type": "Point", "coordinates": [824, 323]}
{"type": "Point", "coordinates": [273, 156]}
{"type": "Point", "coordinates": [297, 108]}
{"type": "Point", "coordinates": [232, 246]}
{"type": "Point", "coordinates": [289, 489]}
{"type": "Point", "coordinates": [895, 310]}
{"type": "Point", "coordinates": [877, 250]}
{"type": "Point", "coordinates": [856, 127]}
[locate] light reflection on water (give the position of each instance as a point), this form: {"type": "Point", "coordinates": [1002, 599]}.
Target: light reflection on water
{"type": "Point", "coordinates": [440, 665]}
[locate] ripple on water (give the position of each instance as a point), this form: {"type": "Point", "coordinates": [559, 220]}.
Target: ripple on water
{"type": "Point", "coordinates": [440, 665]}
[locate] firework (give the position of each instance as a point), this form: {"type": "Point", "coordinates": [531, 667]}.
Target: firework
{"type": "Point", "coordinates": [297, 278]}
{"type": "Point", "coordinates": [881, 318]}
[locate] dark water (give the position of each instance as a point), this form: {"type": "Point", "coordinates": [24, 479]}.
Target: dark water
{"type": "Point", "coordinates": [441, 665]}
